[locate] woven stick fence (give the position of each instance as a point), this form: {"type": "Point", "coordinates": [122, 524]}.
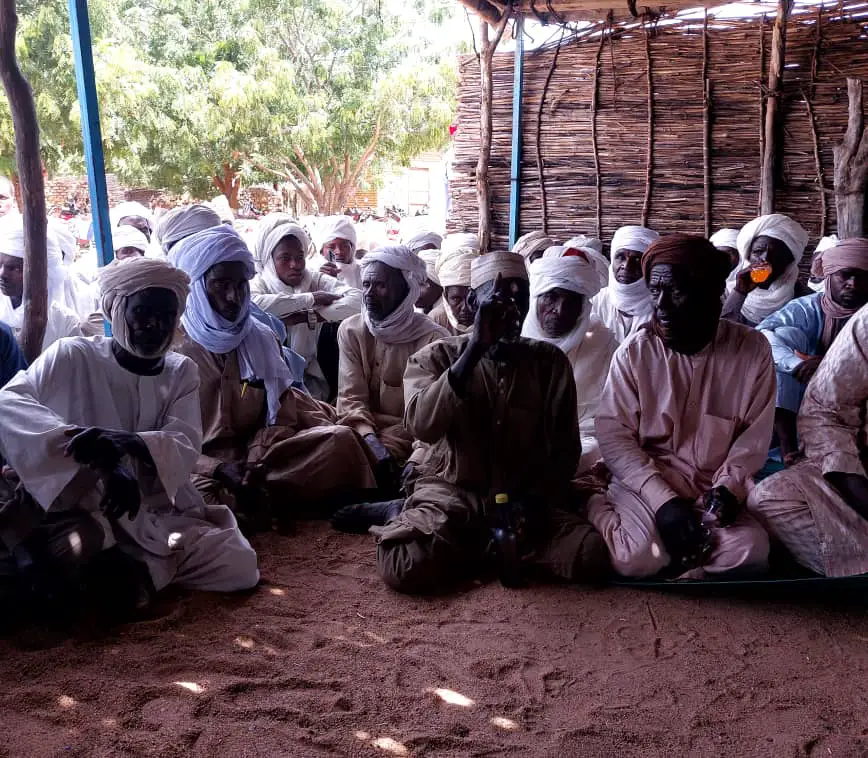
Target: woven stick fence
{"type": "Point", "coordinates": [707, 93]}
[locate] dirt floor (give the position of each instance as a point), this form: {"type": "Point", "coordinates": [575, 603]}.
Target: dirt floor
{"type": "Point", "coordinates": [325, 660]}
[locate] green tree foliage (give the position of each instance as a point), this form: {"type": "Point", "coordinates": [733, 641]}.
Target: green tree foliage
{"type": "Point", "coordinates": [195, 94]}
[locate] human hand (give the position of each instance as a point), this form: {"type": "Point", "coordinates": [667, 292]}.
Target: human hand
{"type": "Point", "coordinates": [103, 448]}
{"type": "Point", "coordinates": [743, 282]}
{"type": "Point", "coordinates": [721, 507]}
{"type": "Point", "coordinates": [122, 494]}
{"type": "Point", "coordinates": [329, 268]}
{"type": "Point", "coordinates": [322, 299]}
{"type": "Point", "coordinates": [683, 535]}
{"type": "Point", "coordinates": [807, 368]}
{"type": "Point", "coordinates": [495, 317]}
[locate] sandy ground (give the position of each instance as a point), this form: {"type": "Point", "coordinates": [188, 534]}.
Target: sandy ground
{"type": "Point", "coordinates": [324, 660]}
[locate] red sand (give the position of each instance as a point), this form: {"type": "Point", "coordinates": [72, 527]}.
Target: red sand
{"type": "Point", "coordinates": [325, 660]}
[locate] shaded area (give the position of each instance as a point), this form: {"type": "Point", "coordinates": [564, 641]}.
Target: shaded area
{"type": "Point", "coordinates": [324, 660]}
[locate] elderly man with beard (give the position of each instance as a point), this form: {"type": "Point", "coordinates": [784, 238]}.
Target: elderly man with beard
{"type": "Point", "coordinates": [499, 414]}
{"type": "Point", "coordinates": [684, 423]}
{"type": "Point", "coordinates": [375, 347]}
{"type": "Point", "coordinates": [624, 306]}
{"type": "Point", "coordinates": [802, 332]}
{"type": "Point", "coordinates": [561, 288]}
{"type": "Point", "coordinates": [100, 436]}
{"type": "Point", "coordinates": [263, 441]}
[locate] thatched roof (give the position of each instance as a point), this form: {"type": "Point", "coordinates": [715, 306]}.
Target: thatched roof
{"type": "Point", "coordinates": [552, 11]}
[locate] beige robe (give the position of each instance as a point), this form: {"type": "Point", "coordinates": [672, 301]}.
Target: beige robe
{"type": "Point", "coordinates": [439, 317]}
{"type": "Point", "coordinates": [371, 384]}
{"type": "Point", "coordinates": [621, 324]}
{"type": "Point", "coordinates": [798, 506]}
{"type": "Point", "coordinates": [672, 425]}
{"type": "Point", "coordinates": [300, 337]}
{"type": "Point", "coordinates": [514, 432]}
{"type": "Point", "coordinates": [307, 454]}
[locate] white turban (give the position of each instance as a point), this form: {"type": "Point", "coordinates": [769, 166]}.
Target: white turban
{"type": "Point", "coordinates": [259, 355]}
{"type": "Point", "coordinates": [336, 228]}
{"type": "Point", "coordinates": [584, 242]}
{"type": "Point", "coordinates": [274, 228]}
{"type": "Point", "coordinates": [532, 242]}
{"type": "Point", "coordinates": [12, 243]}
{"type": "Point", "coordinates": [403, 324]}
{"type": "Point", "coordinates": [128, 236]}
{"type": "Point", "coordinates": [570, 273]}
{"type": "Point", "coordinates": [453, 266]}
{"type": "Point", "coordinates": [429, 258]}
{"type": "Point", "coordinates": [725, 238]}
{"type": "Point", "coordinates": [118, 282]}
{"type": "Point", "coordinates": [127, 210]}
{"type": "Point", "coordinates": [597, 260]}
{"type": "Point", "coordinates": [182, 222]}
{"type": "Point", "coordinates": [417, 242]}
{"type": "Point", "coordinates": [638, 238]}
{"type": "Point", "coordinates": [452, 242]}
{"type": "Point", "coordinates": [817, 258]}
{"type": "Point", "coordinates": [485, 268]}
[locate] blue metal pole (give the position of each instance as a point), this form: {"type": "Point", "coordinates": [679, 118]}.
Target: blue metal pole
{"type": "Point", "coordinates": [515, 169]}
{"type": "Point", "coordinates": [85, 80]}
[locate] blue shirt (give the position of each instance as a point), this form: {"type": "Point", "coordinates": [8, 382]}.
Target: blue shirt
{"type": "Point", "coordinates": [804, 314]}
{"type": "Point", "coordinates": [11, 358]}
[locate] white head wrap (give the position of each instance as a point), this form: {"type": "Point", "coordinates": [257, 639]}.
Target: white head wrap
{"type": "Point", "coordinates": [584, 242]}
{"type": "Point", "coordinates": [118, 282]}
{"type": "Point", "coordinates": [418, 241]}
{"type": "Point", "coordinates": [429, 258]}
{"type": "Point", "coordinates": [182, 222]}
{"type": "Point", "coordinates": [817, 258]}
{"type": "Point", "coordinates": [12, 243]}
{"type": "Point", "coordinates": [763, 302]}
{"type": "Point", "coordinates": [571, 273]}
{"type": "Point", "coordinates": [274, 228]}
{"type": "Point", "coordinates": [532, 242]}
{"type": "Point", "coordinates": [724, 238]}
{"type": "Point", "coordinates": [221, 207]}
{"type": "Point", "coordinates": [125, 210]}
{"type": "Point", "coordinates": [485, 268]}
{"type": "Point", "coordinates": [597, 260]}
{"type": "Point", "coordinates": [632, 299]}
{"type": "Point", "coordinates": [453, 266]}
{"type": "Point", "coordinates": [452, 242]}
{"type": "Point", "coordinates": [259, 355]}
{"type": "Point", "coordinates": [403, 324]}
{"type": "Point", "coordinates": [128, 236]}
{"type": "Point", "coordinates": [336, 228]}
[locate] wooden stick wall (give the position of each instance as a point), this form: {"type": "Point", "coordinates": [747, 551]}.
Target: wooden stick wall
{"type": "Point", "coordinates": [707, 95]}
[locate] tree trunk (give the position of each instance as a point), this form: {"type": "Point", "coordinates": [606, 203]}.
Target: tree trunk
{"type": "Point", "coordinates": [773, 145]}
{"type": "Point", "coordinates": [851, 168]}
{"type": "Point", "coordinates": [229, 185]}
{"type": "Point", "coordinates": [483, 189]}
{"type": "Point", "coordinates": [24, 121]}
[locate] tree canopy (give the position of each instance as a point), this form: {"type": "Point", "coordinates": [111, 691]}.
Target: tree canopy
{"type": "Point", "coordinates": [195, 94]}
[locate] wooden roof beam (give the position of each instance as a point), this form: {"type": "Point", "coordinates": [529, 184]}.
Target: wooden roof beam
{"type": "Point", "coordinates": [484, 9]}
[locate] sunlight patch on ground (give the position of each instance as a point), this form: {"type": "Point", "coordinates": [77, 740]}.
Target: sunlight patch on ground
{"type": "Point", "coordinates": [245, 642]}
{"type": "Point", "coordinates": [65, 701]}
{"type": "Point", "coordinates": [386, 744]}
{"type": "Point", "coordinates": [196, 689]}
{"type": "Point", "coordinates": [276, 591]}
{"type": "Point", "coordinates": [504, 723]}
{"type": "Point", "coordinates": [452, 697]}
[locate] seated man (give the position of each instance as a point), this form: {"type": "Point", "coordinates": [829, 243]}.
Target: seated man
{"type": "Point", "coordinates": [262, 440]}
{"type": "Point", "coordinates": [816, 281]}
{"type": "Point", "coordinates": [302, 299]}
{"type": "Point", "coordinates": [819, 508]}
{"type": "Point", "coordinates": [62, 320]}
{"type": "Point", "coordinates": [102, 434]}
{"type": "Point", "coordinates": [128, 242]}
{"type": "Point", "coordinates": [561, 289]}
{"type": "Point", "coordinates": [456, 310]}
{"type": "Point", "coordinates": [375, 347]}
{"type": "Point", "coordinates": [684, 423]}
{"type": "Point", "coordinates": [625, 306]}
{"type": "Point", "coordinates": [336, 245]}
{"type": "Point", "coordinates": [532, 245]}
{"type": "Point", "coordinates": [432, 290]}
{"type": "Point", "coordinates": [803, 331]}
{"type": "Point", "coordinates": [499, 413]}
{"type": "Point", "coordinates": [770, 248]}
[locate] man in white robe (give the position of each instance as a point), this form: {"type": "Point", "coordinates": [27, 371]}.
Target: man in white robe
{"type": "Point", "coordinates": [62, 320]}
{"type": "Point", "coordinates": [624, 306]}
{"type": "Point", "coordinates": [335, 255]}
{"type": "Point", "coordinates": [302, 299]}
{"type": "Point", "coordinates": [561, 288]}
{"type": "Point", "coordinates": [103, 433]}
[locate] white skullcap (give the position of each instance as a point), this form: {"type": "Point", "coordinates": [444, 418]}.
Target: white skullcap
{"type": "Point", "coordinates": [128, 236]}
{"type": "Point", "coordinates": [127, 210]}
{"type": "Point", "coordinates": [638, 238]}
{"type": "Point", "coordinates": [777, 226]}
{"type": "Point", "coordinates": [485, 268]}
{"type": "Point", "coordinates": [452, 242]}
{"type": "Point", "coordinates": [725, 238]}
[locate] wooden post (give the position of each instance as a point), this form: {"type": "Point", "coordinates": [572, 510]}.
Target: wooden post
{"type": "Point", "coordinates": [483, 188]}
{"type": "Point", "coordinates": [773, 133]}
{"type": "Point", "coordinates": [649, 150]}
{"type": "Point", "coordinates": [851, 168]}
{"type": "Point", "coordinates": [706, 128]}
{"type": "Point", "coordinates": [595, 101]}
{"type": "Point", "coordinates": [762, 101]}
{"type": "Point", "coordinates": [27, 156]}
{"type": "Point", "coordinates": [539, 159]}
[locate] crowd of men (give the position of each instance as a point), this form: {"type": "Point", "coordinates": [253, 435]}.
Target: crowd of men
{"type": "Point", "coordinates": [671, 410]}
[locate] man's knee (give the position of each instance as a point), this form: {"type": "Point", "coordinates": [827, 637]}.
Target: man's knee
{"type": "Point", "coordinates": [421, 566]}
